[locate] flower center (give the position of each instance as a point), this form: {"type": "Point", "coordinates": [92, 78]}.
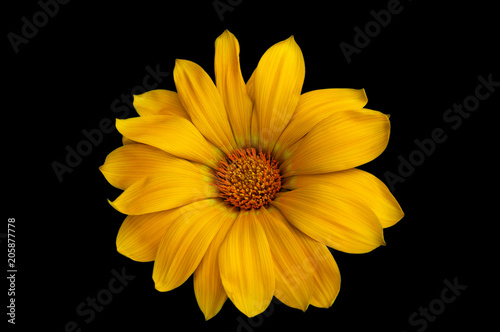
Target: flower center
{"type": "Point", "coordinates": [248, 180]}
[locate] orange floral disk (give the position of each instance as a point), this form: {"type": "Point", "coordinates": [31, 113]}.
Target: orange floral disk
{"type": "Point", "coordinates": [248, 180]}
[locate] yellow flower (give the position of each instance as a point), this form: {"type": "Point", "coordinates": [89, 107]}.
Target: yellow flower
{"type": "Point", "coordinates": [245, 185]}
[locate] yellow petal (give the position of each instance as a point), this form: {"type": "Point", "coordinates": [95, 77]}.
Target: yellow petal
{"type": "Point", "coordinates": [139, 236]}
{"type": "Point", "coordinates": [187, 240]}
{"type": "Point", "coordinates": [294, 279]}
{"type": "Point", "coordinates": [159, 102]}
{"type": "Point", "coordinates": [358, 185]}
{"type": "Point", "coordinates": [250, 85]}
{"type": "Point", "coordinates": [126, 141]}
{"type": "Point", "coordinates": [254, 127]}
{"type": "Point", "coordinates": [326, 274]}
{"type": "Point", "coordinates": [344, 140]}
{"type": "Point", "coordinates": [278, 82]}
{"type": "Point", "coordinates": [332, 219]}
{"type": "Point", "coordinates": [232, 87]}
{"type": "Point", "coordinates": [171, 134]}
{"type": "Point", "coordinates": [204, 104]}
{"type": "Point", "coordinates": [132, 162]}
{"type": "Point", "coordinates": [174, 188]}
{"type": "Point", "coordinates": [208, 288]}
{"type": "Point", "coordinates": [315, 106]}
{"type": "Point", "coordinates": [246, 265]}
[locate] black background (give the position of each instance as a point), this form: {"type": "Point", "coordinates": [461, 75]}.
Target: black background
{"type": "Point", "coordinates": [65, 79]}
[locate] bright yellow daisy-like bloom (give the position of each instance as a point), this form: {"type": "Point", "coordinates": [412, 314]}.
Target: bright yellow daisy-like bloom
{"type": "Point", "coordinates": [245, 185]}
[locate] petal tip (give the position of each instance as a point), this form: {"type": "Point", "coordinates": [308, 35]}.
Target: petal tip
{"type": "Point", "coordinates": [178, 63]}
{"type": "Point", "coordinates": [112, 204]}
{"type": "Point", "coordinates": [120, 248]}
{"type": "Point", "coordinates": [118, 123]}
{"type": "Point", "coordinates": [181, 61]}
{"type": "Point", "coordinates": [226, 33]}
{"type": "Point", "coordinates": [365, 96]}
{"type": "Point", "coordinates": [209, 315]}
{"type": "Point", "coordinates": [292, 42]}
{"type": "Point", "coordinates": [161, 286]}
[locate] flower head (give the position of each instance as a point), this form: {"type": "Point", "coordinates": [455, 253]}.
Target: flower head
{"type": "Point", "coordinates": [245, 185]}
